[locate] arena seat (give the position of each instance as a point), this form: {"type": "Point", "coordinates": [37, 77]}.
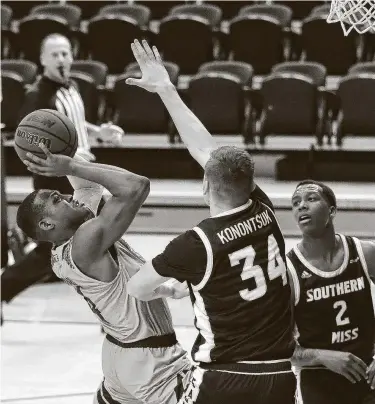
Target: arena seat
{"type": "Point", "coordinates": [97, 70]}
{"type": "Point", "coordinates": [292, 105]}
{"type": "Point", "coordinates": [90, 8]}
{"type": "Point", "coordinates": [316, 71]}
{"type": "Point", "coordinates": [242, 70]}
{"type": "Point", "coordinates": [138, 12]}
{"type": "Point", "coordinates": [216, 95]}
{"type": "Point", "coordinates": [89, 93]}
{"type": "Point", "coordinates": [208, 11]}
{"type": "Point", "coordinates": [13, 91]}
{"type": "Point", "coordinates": [261, 54]}
{"type": "Point", "coordinates": [323, 9]}
{"type": "Point", "coordinates": [301, 9]}
{"type": "Point", "coordinates": [356, 118]}
{"type": "Point", "coordinates": [131, 102]}
{"type": "Point", "coordinates": [324, 43]}
{"type": "Point", "coordinates": [280, 12]}
{"type": "Point", "coordinates": [364, 67]}
{"type": "Point", "coordinates": [186, 40]}
{"type": "Point", "coordinates": [34, 28]}
{"type": "Point", "coordinates": [70, 12]}
{"type": "Point", "coordinates": [104, 31]}
{"type": "Point", "coordinates": [26, 69]}
{"type": "Point", "coordinates": [21, 8]}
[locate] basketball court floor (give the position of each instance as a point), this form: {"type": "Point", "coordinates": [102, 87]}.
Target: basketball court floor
{"type": "Point", "coordinates": [51, 341]}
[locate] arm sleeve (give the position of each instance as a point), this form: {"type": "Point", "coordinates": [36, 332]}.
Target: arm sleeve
{"type": "Point", "coordinates": [261, 196]}
{"type": "Point", "coordinates": [184, 259]}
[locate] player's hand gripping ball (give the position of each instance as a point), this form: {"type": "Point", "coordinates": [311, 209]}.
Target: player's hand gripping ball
{"type": "Point", "coordinates": [48, 127]}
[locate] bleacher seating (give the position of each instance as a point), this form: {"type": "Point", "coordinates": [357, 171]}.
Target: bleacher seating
{"type": "Point", "coordinates": [264, 45]}
{"type": "Point", "coordinates": [304, 71]}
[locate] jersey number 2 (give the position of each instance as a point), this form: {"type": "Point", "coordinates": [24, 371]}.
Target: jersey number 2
{"type": "Point", "coordinates": [275, 268]}
{"type": "Point", "coordinates": [340, 319]}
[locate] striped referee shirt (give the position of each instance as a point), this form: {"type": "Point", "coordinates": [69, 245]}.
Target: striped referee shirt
{"type": "Point", "coordinates": [65, 98]}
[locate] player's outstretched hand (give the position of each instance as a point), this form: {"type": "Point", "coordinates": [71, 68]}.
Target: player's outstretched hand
{"type": "Point", "coordinates": [54, 165]}
{"type": "Point", "coordinates": [345, 364]}
{"type": "Point", "coordinates": [155, 77]}
{"type": "Point", "coordinates": [371, 375]}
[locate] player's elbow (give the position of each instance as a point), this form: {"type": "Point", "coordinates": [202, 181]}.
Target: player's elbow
{"type": "Point", "coordinates": [140, 189]}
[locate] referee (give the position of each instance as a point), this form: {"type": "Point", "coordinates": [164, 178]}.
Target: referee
{"type": "Point", "coordinates": [53, 90]}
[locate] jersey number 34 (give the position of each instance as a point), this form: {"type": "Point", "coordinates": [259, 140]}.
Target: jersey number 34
{"type": "Point", "coordinates": [275, 268]}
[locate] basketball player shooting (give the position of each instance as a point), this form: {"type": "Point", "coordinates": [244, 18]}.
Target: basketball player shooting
{"type": "Point", "coordinates": [234, 263]}
{"type": "Point", "coordinates": [89, 254]}
{"type": "Point", "coordinates": [331, 276]}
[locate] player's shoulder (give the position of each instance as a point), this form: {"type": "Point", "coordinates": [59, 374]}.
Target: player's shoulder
{"type": "Point", "coordinates": [40, 89]}
{"type": "Point", "coordinates": [368, 248]}
{"type": "Point", "coordinates": [259, 195]}
{"type": "Point", "coordinates": [189, 239]}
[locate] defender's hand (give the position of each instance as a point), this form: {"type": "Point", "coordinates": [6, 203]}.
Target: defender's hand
{"type": "Point", "coordinates": [54, 165]}
{"type": "Point", "coordinates": [155, 77]}
{"type": "Point", "coordinates": [345, 364]}
{"type": "Point", "coordinates": [371, 375]}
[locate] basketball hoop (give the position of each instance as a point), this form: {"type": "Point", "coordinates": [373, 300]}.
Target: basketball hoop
{"type": "Point", "coordinates": [353, 14]}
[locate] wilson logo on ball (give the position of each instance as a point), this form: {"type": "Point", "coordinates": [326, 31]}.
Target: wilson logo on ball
{"type": "Point", "coordinates": [34, 139]}
{"type": "Point", "coordinates": [40, 119]}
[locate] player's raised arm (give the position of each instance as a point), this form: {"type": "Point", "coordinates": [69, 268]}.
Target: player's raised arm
{"type": "Point", "coordinates": [87, 192]}
{"type": "Point", "coordinates": [155, 79]}
{"type": "Point", "coordinates": [128, 190]}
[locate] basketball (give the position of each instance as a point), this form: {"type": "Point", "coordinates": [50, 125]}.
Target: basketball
{"type": "Point", "coordinates": [47, 126]}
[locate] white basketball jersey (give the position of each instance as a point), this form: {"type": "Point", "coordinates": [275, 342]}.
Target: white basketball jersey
{"type": "Point", "coordinates": [121, 315]}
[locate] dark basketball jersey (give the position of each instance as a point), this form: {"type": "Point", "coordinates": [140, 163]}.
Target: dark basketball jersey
{"type": "Point", "coordinates": [242, 305]}
{"type": "Point", "coordinates": [334, 310]}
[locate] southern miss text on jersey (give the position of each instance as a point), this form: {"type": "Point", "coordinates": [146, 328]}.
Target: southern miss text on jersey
{"type": "Point", "coordinates": [242, 304]}
{"type": "Point", "coordinates": [334, 310]}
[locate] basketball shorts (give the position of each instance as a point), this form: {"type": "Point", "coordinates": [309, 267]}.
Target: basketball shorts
{"type": "Point", "coordinates": [241, 383]}
{"type": "Point", "coordinates": [321, 386]}
{"type": "Point", "coordinates": [139, 375]}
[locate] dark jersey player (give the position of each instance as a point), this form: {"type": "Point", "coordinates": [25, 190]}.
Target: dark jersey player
{"type": "Point", "coordinates": [334, 313]}
{"type": "Point", "coordinates": [234, 265]}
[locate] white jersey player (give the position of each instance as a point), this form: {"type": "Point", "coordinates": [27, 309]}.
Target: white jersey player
{"type": "Point", "coordinates": [89, 254]}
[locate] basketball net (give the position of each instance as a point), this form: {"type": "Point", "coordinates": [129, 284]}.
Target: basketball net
{"type": "Point", "coordinates": [353, 14]}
